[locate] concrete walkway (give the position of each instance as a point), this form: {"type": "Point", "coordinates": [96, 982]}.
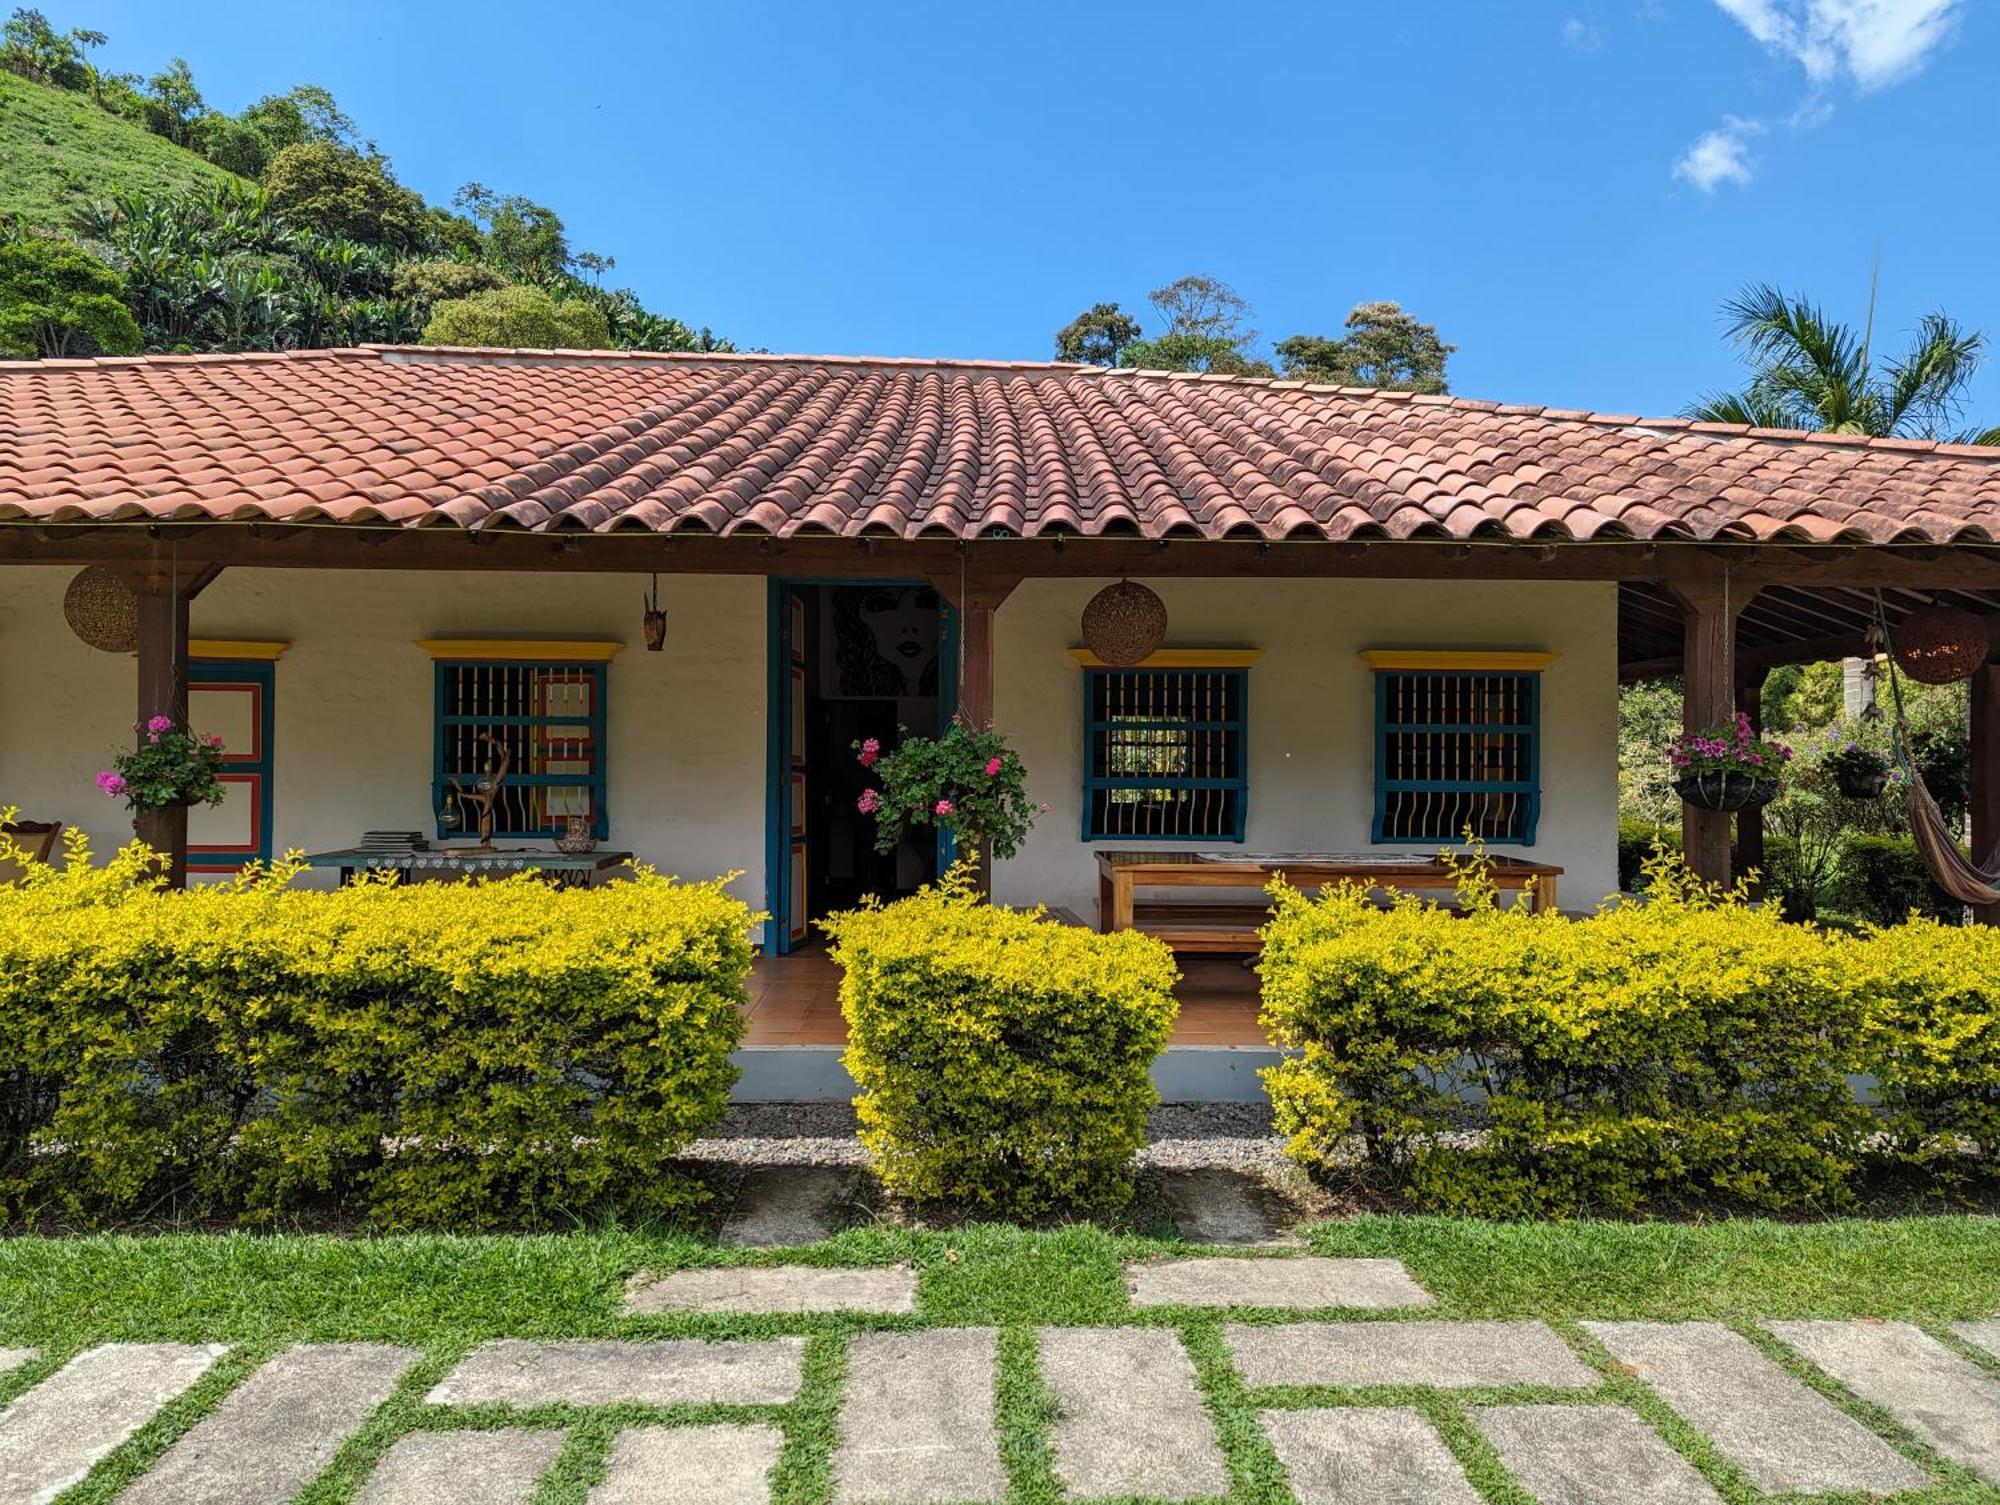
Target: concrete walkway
{"type": "Point", "coordinates": [1129, 1411]}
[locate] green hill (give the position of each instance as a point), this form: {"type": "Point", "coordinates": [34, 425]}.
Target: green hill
{"type": "Point", "coordinates": [59, 152]}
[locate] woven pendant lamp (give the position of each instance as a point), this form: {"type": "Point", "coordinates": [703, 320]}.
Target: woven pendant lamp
{"type": "Point", "coordinates": [1941, 645]}
{"type": "Point", "coordinates": [101, 609]}
{"type": "Point", "coordinates": [1124, 624]}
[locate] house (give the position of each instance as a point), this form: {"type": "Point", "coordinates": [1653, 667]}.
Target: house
{"type": "Point", "coordinates": [363, 564]}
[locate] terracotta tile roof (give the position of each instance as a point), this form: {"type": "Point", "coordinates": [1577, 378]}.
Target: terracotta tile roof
{"type": "Point", "coordinates": [552, 440]}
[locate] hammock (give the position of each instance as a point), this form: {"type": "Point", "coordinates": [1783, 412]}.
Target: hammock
{"type": "Point", "coordinates": [1953, 871]}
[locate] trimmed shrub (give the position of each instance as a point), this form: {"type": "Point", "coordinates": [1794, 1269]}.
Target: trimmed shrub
{"type": "Point", "coordinates": [1002, 1057]}
{"type": "Point", "coordinates": [1882, 879]}
{"type": "Point", "coordinates": [1683, 1049]}
{"type": "Point", "coordinates": [428, 1055]}
{"type": "Point", "coordinates": [1934, 1040]}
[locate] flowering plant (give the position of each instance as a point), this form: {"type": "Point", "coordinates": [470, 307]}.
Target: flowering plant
{"type": "Point", "coordinates": [1856, 760]}
{"type": "Point", "coordinates": [171, 766]}
{"type": "Point", "coordinates": [969, 782]}
{"type": "Point", "coordinates": [1734, 749]}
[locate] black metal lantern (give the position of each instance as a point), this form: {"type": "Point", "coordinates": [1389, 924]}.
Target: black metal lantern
{"type": "Point", "coordinates": [654, 620]}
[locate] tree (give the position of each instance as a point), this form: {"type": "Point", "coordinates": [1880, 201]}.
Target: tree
{"type": "Point", "coordinates": [1808, 372]}
{"type": "Point", "coordinates": [327, 188]}
{"type": "Point", "coordinates": [173, 103]}
{"type": "Point", "coordinates": [38, 52]}
{"type": "Point", "coordinates": [437, 281]}
{"type": "Point", "coordinates": [56, 300]}
{"type": "Point", "coordinates": [304, 114]}
{"type": "Point", "coordinates": [229, 144]}
{"type": "Point", "coordinates": [524, 240]}
{"type": "Point", "coordinates": [519, 317]}
{"type": "Point", "coordinates": [1097, 335]}
{"type": "Point", "coordinates": [1206, 331]}
{"type": "Point", "coordinates": [1384, 347]}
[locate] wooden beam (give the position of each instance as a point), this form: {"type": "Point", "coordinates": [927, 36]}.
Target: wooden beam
{"type": "Point", "coordinates": [1985, 752]}
{"type": "Point", "coordinates": [163, 678]}
{"type": "Point", "coordinates": [1708, 698]}
{"type": "Point", "coordinates": [976, 599]}
{"type": "Point", "coordinates": [1750, 823]}
{"type": "Point", "coordinates": [440, 548]}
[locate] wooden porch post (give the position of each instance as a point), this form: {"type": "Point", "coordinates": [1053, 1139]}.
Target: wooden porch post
{"type": "Point", "coordinates": [1709, 608]}
{"type": "Point", "coordinates": [1985, 755]}
{"type": "Point", "coordinates": [1750, 823]}
{"type": "Point", "coordinates": [976, 597]}
{"type": "Point", "coordinates": [163, 594]}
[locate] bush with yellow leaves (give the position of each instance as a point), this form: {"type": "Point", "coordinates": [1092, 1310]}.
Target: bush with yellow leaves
{"type": "Point", "coordinates": [1692, 1048]}
{"type": "Point", "coordinates": [1003, 1057]}
{"type": "Point", "coordinates": [427, 1055]}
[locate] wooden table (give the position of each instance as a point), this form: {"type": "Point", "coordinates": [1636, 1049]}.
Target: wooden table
{"type": "Point", "coordinates": [448, 864]}
{"type": "Point", "coordinates": [1233, 927]}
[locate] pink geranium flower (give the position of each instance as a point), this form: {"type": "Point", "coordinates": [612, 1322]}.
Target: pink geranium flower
{"type": "Point", "coordinates": [942, 807]}
{"type": "Point", "coordinates": [993, 767]}
{"type": "Point", "coordinates": [112, 784]}
{"type": "Point", "coordinates": [159, 724]}
{"type": "Point", "coordinates": [871, 753]}
{"type": "Point", "coordinates": [870, 801]}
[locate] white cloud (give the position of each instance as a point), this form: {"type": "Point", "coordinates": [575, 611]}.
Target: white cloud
{"type": "Point", "coordinates": [1873, 42]}
{"type": "Point", "coordinates": [1721, 156]}
{"type": "Point", "coordinates": [1580, 35]}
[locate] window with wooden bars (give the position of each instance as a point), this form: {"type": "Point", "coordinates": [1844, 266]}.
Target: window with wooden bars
{"type": "Point", "coordinates": [1458, 748]}
{"type": "Point", "coordinates": [549, 717]}
{"type": "Point", "coordinates": [1164, 754]}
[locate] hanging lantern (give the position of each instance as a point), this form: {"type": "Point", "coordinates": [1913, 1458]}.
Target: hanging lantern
{"type": "Point", "coordinates": [654, 621]}
{"type": "Point", "coordinates": [1124, 624]}
{"type": "Point", "coordinates": [1940, 645]}
{"type": "Point", "coordinates": [101, 609]}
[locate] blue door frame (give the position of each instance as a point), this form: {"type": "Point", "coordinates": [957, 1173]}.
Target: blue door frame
{"type": "Point", "coordinates": [778, 721]}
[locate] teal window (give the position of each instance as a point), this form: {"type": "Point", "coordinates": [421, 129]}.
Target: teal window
{"type": "Point", "coordinates": [1457, 749]}
{"type": "Point", "coordinates": [547, 718]}
{"type": "Point", "coordinates": [1164, 756]}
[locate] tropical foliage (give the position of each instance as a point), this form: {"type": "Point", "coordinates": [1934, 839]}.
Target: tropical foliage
{"type": "Point", "coordinates": [275, 228]}
{"type": "Point", "coordinates": [57, 299]}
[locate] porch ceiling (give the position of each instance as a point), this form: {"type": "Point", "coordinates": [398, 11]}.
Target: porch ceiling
{"type": "Point", "coordinates": [785, 446]}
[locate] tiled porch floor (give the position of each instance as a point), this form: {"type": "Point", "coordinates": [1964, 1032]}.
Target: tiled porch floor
{"type": "Point", "coordinates": [795, 1000]}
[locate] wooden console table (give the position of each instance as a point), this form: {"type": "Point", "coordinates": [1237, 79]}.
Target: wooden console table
{"type": "Point", "coordinates": [450, 864]}
{"type": "Point", "coordinates": [1233, 927]}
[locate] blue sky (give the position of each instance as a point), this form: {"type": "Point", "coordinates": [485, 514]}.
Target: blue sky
{"type": "Point", "coordinates": [1568, 190]}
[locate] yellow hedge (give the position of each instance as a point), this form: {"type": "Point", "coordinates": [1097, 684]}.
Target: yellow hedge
{"type": "Point", "coordinates": [1686, 1049]}
{"type": "Point", "coordinates": [428, 1055]}
{"type": "Point", "coordinates": [1003, 1057]}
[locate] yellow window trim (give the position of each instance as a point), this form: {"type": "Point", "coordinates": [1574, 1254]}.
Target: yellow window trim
{"type": "Point", "coordinates": [1178, 658]}
{"type": "Point", "coordinates": [1436, 658]}
{"type": "Point", "coordinates": [235, 648]}
{"type": "Point", "coordinates": [543, 650]}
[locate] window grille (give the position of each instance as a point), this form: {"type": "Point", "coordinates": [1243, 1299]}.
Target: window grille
{"type": "Point", "coordinates": [1164, 754]}
{"type": "Point", "coordinates": [1454, 749]}
{"type": "Point", "coordinates": [550, 719]}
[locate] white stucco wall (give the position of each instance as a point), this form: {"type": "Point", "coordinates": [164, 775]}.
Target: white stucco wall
{"type": "Point", "coordinates": [1312, 710]}
{"type": "Point", "coordinates": [355, 701]}
{"type": "Point", "coordinates": [687, 748]}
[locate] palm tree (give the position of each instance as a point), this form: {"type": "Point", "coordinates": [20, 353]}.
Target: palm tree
{"type": "Point", "coordinates": [1809, 372]}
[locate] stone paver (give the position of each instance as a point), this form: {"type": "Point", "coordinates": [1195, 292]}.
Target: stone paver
{"type": "Point", "coordinates": [1945, 1399]}
{"type": "Point", "coordinates": [1364, 1455]}
{"type": "Point", "coordinates": [273, 1433]}
{"type": "Point", "coordinates": [1448, 1355]}
{"type": "Point", "coordinates": [782, 1288]}
{"type": "Point", "coordinates": [1130, 1419]}
{"type": "Point", "coordinates": [1590, 1455]}
{"type": "Point", "coordinates": [790, 1204]}
{"type": "Point", "coordinates": [688, 1371]}
{"type": "Point", "coordinates": [917, 1425]}
{"type": "Point", "coordinates": [1306, 1281]}
{"type": "Point", "coordinates": [52, 1435]}
{"type": "Point", "coordinates": [1984, 1335]}
{"type": "Point", "coordinates": [14, 1358]}
{"type": "Point", "coordinates": [713, 1465]}
{"type": "Point", "coordinates": [463, 1468]}
{"type": "Point", "coordinates": [1783, 1435]}
{"type": "Point", "coordinates": [1220, 1207]}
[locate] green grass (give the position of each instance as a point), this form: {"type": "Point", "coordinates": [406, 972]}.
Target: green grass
{"type": "Point", "coordinates": [59, 152]}
{"type": "Point", "coordinates": [446, 1294]}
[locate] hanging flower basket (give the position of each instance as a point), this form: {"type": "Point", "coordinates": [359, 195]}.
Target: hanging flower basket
{"type": "Point", "coordinates": [1859, 773]}
{"type": "Point", "coordinates": [1726, 791]}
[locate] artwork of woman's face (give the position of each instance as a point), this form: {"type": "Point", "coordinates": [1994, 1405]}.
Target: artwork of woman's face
{"type": "Point", "coordinates": [904, 622]}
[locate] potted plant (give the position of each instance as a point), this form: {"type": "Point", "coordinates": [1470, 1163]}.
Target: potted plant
{"type": "Point", "coordinates": [1727, 768]}
{"type": "Point", "coordinates": [1859, 772]}
{"type": "Point", "coordinates": [968, 782]}
{"type": "Point", "coordinates": [171, 766]}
